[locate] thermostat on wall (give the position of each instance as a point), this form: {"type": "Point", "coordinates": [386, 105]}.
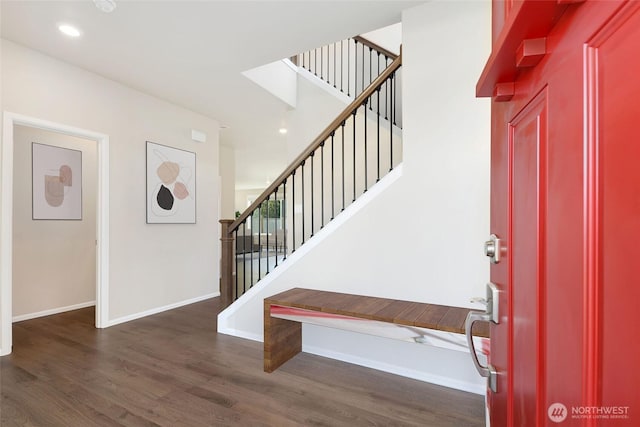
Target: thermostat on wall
{"type": "Point", "coordinates": [198, 136]}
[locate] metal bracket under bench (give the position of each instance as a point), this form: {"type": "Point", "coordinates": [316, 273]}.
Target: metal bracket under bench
{"type": "Point", "coordinates": [423, 323]}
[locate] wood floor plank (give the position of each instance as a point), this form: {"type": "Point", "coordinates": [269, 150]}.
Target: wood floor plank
{"type": "Point", "coordinates": [173, 369]}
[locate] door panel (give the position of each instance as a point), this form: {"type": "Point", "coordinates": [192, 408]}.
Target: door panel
{"type": "Point", "coordinates": [618, 287]}
{"type": "Point", "coordinates": [527, 146]}
{"type": "Point", "coordinates": [565, 199]}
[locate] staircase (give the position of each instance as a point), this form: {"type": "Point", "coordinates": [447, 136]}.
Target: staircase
{"type": "Point", "coordinates": [355, 151]}
{"type": "Point", "coordinates": [350, 66]}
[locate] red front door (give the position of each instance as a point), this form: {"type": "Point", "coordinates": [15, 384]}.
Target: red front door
{"type": "Point", "coordinates": [566, 206]}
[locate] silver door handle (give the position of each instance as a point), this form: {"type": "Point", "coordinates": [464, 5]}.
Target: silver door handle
{"type": "Point", "coordinates": [488, 371]}
{"type": "Point", "coordinates": [492, 314]}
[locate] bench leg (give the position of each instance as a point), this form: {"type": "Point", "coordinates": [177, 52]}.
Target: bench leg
{"type": "Point", "coordinates": [282, 340]}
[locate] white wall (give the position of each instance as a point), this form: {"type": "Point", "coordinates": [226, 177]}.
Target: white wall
{"type": "Point", "coordinates": [54, 262]}
{"type": "Point", "coordinates": [316, 109]}
{"type": "Point", "coordinates": [243, 196]}
{"type": "Point", "coordinates": [278, 78]}
{"type": "Point", "coordinates": [151, 266]}
{"type": "Point", "coordinates": [420, 239]}
{"type": "Point", "coordinates": [389, 37]}
{"type": "Point", "coordinates": [228, 176]}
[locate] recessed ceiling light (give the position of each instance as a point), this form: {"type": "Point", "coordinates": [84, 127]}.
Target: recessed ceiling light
{"type": "Point", "coordinates": [106, 6]}
{"type": "Point", "coordinates": [69, 30]}
{"type": "Point", "coordinates": [282, 130]}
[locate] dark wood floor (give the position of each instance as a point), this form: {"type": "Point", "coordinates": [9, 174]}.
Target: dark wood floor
{"type": "Point", "coordinates": [173, 369]}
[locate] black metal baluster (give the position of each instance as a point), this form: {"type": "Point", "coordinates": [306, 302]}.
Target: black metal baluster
{"type": "Point", "coordinates": [386, 89]}
{"type": "Point", "coordinates": [354, 154]}
{"type": "Point", "coordinates": [370, 74]}
{"type": "Point", "coordinates": [355, 69]}
{"type": "Point", "coordinates": [321, 185]}
{"type": "Point", "coordinates": [378, 136]}
{"type": "Point", "coordinates": [244, 256]}
{"type": "Point", "coordinates": [235, 235]}
{"type": "Point", "coordinates": [312, 195]}
{"type": "Point", "coordinates": [342, 65]}
{"type": "Point", "coordinates": [267, 230]}
{"type": "Point", "coordinates": [343, 187]}
{"type": "Point", "coordinates": [303, 218]}
{"type": "Point", "coordinates": [328, 64]}
{"type": "Point", "coordinates": [259, 209]}
{"type": "Point", "coordinates": [348, 69]}
{"type": "Point", "coordinates": [363, 63]}
{"type": "Point", "coordinates": [391, 128]}
{"type": "Point", "coordinates": [322, 62]}
{"type": "Point", "coordinates": [333, 189]}
{"type": "Point", "coordinates": [284, 219]}
{"type": "Point", "coordinates": [275, 227]}
{"type": "Point", "coordinates": [365, 145]}
{"type": "Point", "coordinates": [395, 95]}
{"type": "Point", "coordinates": [251, 249]}
{"type": "Point", "coordinates": [335, 49]}
{"type": "Point", "coordinates": [293, 211]}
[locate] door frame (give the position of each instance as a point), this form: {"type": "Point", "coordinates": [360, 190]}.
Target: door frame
{"type": "Point", "coordinates": [6, 219]}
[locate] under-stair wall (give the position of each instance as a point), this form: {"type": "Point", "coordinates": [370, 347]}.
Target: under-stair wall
{"type": "Point", "coordinates": [418, 237]}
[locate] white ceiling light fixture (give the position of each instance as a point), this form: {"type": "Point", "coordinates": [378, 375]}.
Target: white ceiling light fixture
{"type": "Point", "coordinates": [283, 131]}
{"type": "Point", "coordinates": [106, 6]}
{"type": "Point", "coordinates": [69, 30]}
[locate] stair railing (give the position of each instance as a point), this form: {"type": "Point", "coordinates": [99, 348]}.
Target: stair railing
{"type": "Point", "coordinates": [350, 66]}
{"type": "Point", "coordinates": [356, 150]}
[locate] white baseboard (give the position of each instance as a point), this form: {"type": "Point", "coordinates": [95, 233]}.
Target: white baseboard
{"type": "Point", "coordinates": [373, 364]}
{"type": "Point", "coordinates": [52, 311]}
{"type": "Point", "coordinates": [157, 310]}
{"type": "Point", "coordinates": [240, 334]}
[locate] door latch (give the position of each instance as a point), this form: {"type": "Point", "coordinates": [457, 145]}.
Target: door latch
{"type": "Point", "coordinates": [492, 248]}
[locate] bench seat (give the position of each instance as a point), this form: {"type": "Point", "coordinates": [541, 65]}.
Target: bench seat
{"type": "Point", "coordinates": [283, 337]}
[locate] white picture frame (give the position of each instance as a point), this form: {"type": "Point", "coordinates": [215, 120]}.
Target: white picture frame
{"type": "Point", "coordinates": [171, 185]}
{"type": "Point", "coordinates": [56, 182]}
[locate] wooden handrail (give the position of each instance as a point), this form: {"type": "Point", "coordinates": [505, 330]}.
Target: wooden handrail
{"type": "Point", "coordinates": [326, 133]}
{"type": "Point", "coordinates": [376, 47]}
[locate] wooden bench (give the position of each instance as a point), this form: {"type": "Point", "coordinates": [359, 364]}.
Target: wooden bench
{"type": "Point", "coordinates": [283, 338]}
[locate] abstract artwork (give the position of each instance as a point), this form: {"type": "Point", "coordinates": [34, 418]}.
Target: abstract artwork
{"type": "Point", "coordinates": [57, 182]}
{"type": "Point", "coordinates": [171, 185]}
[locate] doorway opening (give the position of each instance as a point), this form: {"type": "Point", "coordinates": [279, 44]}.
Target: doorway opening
{"type": "Point", "coordinates": [7, 225]}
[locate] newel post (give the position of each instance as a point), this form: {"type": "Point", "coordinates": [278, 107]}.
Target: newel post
{"type": "Point", "coordinates": [226, 264]}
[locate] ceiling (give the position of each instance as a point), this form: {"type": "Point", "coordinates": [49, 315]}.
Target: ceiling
{"type": "Point", "coordinates": [192, 53]}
